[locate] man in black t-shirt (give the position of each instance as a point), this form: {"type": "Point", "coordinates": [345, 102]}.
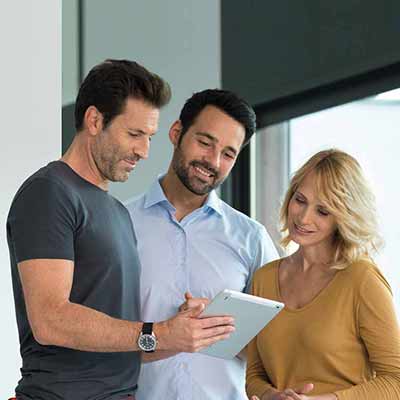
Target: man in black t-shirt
{"type": "Point", "coordinates": [75, 273]}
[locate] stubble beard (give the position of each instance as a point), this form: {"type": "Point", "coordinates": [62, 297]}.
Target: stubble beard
{"type": "Point", "coordinates": [107, 157]}
{"type": "Point", "coordinates": [182, 172]}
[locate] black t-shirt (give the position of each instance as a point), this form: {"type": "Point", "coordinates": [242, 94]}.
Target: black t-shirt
{"type": "Point", "coordinates": [57, 214]}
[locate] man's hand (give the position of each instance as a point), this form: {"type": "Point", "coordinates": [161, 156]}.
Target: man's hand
{"type": "Point", "coordinates": [188, 333]}
{"type": "Point", "coordinates": [191, 302]}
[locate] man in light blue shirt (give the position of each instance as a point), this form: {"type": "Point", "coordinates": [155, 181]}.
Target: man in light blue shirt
{"type": "Point", "coordinates": [190, 241]}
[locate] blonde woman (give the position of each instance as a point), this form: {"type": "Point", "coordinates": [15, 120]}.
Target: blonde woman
{"type": "Point", "coordinates": [337, 337]}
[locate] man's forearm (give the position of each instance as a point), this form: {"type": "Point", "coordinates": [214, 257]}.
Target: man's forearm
{"type": "Point", "coordinates": [78, 327]}
{"type": "Point", "coordinates": [81, 328]}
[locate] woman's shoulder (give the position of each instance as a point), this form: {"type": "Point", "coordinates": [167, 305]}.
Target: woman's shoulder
{"type": "Point", "coordinates": [361, 268]}
{"type": "Point", "coordinates": [268, 268]}
{"type": "Point", "coordinates": [264, 280]}
{"type": "Point", "coordinates": [364, 273]}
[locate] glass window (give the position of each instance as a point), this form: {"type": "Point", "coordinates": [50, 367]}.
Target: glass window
{"type": "Point", "coordinates": [368, 130]}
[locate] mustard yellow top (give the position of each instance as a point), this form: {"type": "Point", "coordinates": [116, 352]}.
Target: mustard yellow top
{"type": "Point", "coordinates": [345, 341]}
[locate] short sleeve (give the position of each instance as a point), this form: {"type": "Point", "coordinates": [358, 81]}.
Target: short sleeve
{"type": "Point", "coordinates": [41, 222]}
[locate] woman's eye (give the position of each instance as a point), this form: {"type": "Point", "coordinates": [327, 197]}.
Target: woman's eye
{"type": "Point", "coordinates": [300, 200]}
{"type": "Point", "coordinates": [323, 212]}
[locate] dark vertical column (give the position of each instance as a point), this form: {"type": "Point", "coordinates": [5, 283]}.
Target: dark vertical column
{"type": "Point", "coordinates": [236, 189]}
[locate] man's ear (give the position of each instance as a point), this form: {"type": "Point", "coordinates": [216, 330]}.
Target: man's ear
{"type": "Point", "coordinates": [175, 132]}
{"type": "Point", "coordinates": [93, 120]}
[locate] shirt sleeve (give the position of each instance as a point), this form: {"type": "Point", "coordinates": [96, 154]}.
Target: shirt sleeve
{"type": "Point", "coordinates": [41, 222]}
{"type": "Point", "coordinates": [257, 381]}
{"type": "Point", "coordinates": [265, 252]}
{"type": "Point", "coordinates": [379, 330]}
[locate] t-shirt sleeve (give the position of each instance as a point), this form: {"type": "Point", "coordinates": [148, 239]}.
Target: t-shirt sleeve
{"type": "Point", "coordinates": [379, 330]}
{"type": "Point", "coordinates": [264, 252]}
{"type": "Point", "coordinates": [41, 222]}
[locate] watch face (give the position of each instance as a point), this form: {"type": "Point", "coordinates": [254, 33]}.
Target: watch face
{"type": "Point", "coordinates": [147, 342]}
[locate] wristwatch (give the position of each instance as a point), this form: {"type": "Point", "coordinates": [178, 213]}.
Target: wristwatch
{"type": "Point", "coordinates": [147, 340]}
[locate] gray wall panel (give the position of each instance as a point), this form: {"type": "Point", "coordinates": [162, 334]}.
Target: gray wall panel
{"type": "Point", "coordinates": [179, 40]}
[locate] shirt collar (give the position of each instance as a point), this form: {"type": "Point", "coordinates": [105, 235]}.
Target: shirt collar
{"type": "Point", "coordinates": [214, 202]}
{"type": "Point", "coordinates": [156, 195]}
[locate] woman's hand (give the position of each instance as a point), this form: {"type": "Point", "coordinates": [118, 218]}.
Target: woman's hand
{"type": "Point", "coordinates": [328, 396]}
{"type": "Point", "coordinates": [289, 394]}
{"type": "Point", "coordinates": [192, 302]}
{"type": "Point", "coordinates": [295, 394]}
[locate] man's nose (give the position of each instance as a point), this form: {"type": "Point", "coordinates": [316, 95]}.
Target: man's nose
{"type": "Point", "coordinates": [214, 159]}
{"type": "Point", "coordinates": [142, 148]}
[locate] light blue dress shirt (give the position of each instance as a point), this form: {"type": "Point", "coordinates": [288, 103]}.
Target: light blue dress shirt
{"type": "Point", "coordinates": [213, 248]}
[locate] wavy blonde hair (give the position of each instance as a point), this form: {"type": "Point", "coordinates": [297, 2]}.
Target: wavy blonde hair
{"type": "Point", "coordinates": [344, 191]}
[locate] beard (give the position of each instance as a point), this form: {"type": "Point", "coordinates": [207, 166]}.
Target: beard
{"type": "Point", "coordinates": [108, 156]}
{"type": "Point", "coordinates": [193, 183]}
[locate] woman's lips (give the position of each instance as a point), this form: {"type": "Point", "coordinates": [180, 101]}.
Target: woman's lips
{"type": "Point", "coordinates": [301, 230]}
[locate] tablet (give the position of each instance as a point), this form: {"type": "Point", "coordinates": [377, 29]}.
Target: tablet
{"type": "Point", "coordinates": [251, 314]}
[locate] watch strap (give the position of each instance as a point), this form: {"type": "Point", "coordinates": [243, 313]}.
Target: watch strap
{"type": "Point", "coordinates": [147, 328]}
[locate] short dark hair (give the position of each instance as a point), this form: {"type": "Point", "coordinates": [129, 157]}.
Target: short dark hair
{"type": "Point", "coordinates": [226, 101]}
{"type": "Point", "coordinates": [109, 84]}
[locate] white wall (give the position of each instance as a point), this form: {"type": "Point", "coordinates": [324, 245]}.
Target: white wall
{"type": "Point", "coordinates": [30, 104]}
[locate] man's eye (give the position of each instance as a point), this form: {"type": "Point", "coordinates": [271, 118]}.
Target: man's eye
{"type": "Point", "coordinates": [202, 142]}
{"type": "Point", "coordinates": [230, 156]}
